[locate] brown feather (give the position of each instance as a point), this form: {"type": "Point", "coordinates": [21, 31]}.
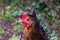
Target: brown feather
{"type": "Point", "coordinates": [32, 33]}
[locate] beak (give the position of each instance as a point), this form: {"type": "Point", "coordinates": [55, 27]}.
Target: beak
{"type": "Point", "coordinates": [17, 22]}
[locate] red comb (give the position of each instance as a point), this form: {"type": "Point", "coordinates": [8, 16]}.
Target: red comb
{"type": "Point", "coordinates": [24, 16]}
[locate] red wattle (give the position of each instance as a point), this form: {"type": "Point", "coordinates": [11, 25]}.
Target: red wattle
{"type": "Point", "coordinates": [26, 25]}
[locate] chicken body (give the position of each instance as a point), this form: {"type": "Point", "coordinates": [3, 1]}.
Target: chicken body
{"type": "Point", "coordinates": [32, 29]}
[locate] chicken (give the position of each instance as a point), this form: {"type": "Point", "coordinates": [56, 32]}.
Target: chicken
{"type": "Point", "coordinates": [32, 28]}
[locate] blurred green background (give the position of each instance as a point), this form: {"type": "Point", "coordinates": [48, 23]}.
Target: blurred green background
{"type": "Point", "coordinates": [48, 13]}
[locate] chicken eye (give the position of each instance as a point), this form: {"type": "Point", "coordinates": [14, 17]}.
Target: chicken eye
{"type": "Point", "coordinates": [27, 19]}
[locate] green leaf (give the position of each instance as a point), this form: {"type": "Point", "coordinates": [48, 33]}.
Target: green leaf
{"type": "Point", "coordinates": [2, 32]}
{"type": "Point", "coordinates": [18, 13]}
{"type": "Point", "coordinates": [14, 37]}
{"type": "Point", "coordinates": [19, 28]}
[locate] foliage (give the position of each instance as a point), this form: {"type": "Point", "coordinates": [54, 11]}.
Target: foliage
{"type": "Point", "coordinates": [58, 38]}
{"type": "Point", "coordinates": [51, 33]}
{"type": "Point", "coordinates": [18, 13]}
{"type": "Point", "coordinates": [19, 28]}
{"type": "Point", "coordinates": [2, 32]}
{"type": "Point", "coordinates": [14, 37]}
